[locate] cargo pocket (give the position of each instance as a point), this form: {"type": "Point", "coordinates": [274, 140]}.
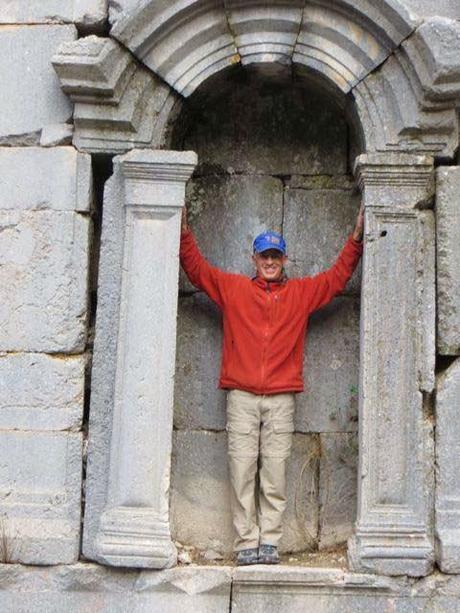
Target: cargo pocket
{"type": "Point", "coordinates": [278, 440]}
{"type": "Point", "coordinates": [243, 441]}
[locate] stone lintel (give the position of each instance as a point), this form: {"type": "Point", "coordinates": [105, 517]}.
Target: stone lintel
{"type": "Point", "coordinates": [395, 179]}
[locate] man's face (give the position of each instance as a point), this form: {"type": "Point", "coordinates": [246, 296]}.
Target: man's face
{"type": "Point", "coordinates": [269, 264]}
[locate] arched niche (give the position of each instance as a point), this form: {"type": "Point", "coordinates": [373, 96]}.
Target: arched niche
{"type": "Point", "coordinates": [274, 149]}
{"type": "Point", "coordinates": [400, 81]}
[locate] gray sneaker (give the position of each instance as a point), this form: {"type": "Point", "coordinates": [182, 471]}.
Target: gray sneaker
{"type": "Point", "coordinates": [268, 554]}
{"type": "Point", "coordinates": [247, 556]}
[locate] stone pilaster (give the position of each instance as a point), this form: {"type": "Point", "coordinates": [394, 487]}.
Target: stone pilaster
{"type": "Point", "coordinates": [392, 534]}
{"type": "Point", "coordinates": [128, 488]}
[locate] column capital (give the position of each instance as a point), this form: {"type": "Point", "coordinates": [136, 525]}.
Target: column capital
{"type": "Point", "coordinates": [395, 179]}
{"type": "Point", "coordinates": [156, 178]}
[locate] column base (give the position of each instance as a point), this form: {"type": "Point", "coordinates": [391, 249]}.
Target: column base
{"type": "Point", "coordinates": [389, 553]}
{"type": "Point", "coordinates": [135, 537]}
{"type": "Point", "coordinates": [448, 550]}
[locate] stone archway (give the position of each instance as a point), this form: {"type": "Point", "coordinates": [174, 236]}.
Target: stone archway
{"type": "Point", "coordinates": [404, 84]}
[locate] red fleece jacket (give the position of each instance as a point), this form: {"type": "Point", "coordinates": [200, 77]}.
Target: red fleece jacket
{"type": "Point", "coordinates": [265, 323]}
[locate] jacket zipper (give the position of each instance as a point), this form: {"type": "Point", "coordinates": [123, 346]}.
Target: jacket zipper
{"type": "Point", "coordinates": [266, 334]}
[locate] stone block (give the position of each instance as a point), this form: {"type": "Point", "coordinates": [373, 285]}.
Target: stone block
{"type": "Point", "coordinates": [40, 491]}
{"type": "Point", "coordinates": [448, 259]}
{"type": "Point", "coordinates": [200, 504]}
{"type": "Point", "coordinates": [448, 474]}
{"type": "Point", "coordinates": [263, 589]}
{"type": "Point", "coordinates": [237, 208]}
{"type": "Point", "coordinates": [56, 134]}
{"type": "Point", "coordinates": [338, 483]}
{"type": "Point", "coordinates": [43, 280]}
{"type": "Point", "coordinates": [25, 65]}
{"type": "Point", "coordinates": [426, 8]}
{"type": "Point", "coordinates": [86, 13]}
{"type": "Point", "coordinates": [317, 223]}
{"type": "Point", "coordinates": [198, 403]}
{"type": "Point", "coordinates": [79, 587]}
{"type": "Point", "coordinates": [41, 392]}
{"type": "Point", "coordinates": [331, 369]}
{"type": "Point", "coordinates": [265, 124]}
{"type": "Point", "coordinates": [300, 523]}
{"type": "Point", "coordinates": [200, 494]}
{"type": "Point", "coordinates": [55, 178]}
{"type": "Point", "coordinates": [119, 9]}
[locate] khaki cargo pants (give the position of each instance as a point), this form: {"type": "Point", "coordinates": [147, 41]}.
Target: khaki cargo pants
{"type": "Point", "coordinates": [259, 437]}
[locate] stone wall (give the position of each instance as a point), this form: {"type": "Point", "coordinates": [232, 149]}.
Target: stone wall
{"type": "Point", "coordinates": [273, 153]}
{"type": "Point", "coordinates": [46, 206]}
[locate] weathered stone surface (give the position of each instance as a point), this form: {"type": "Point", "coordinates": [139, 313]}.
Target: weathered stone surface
{"type": "Point", "coordinates": [155, 33]}
{"type": "Point", "coordinates": [200, 504]}
{"type": "Point", "coordinates": [103, 371]}
{"type": "Point", "coordinates": [238, 208]}
{"type": "Point", "coordinates": [331, 370]}
{"type": "Point", "coordinates": [338, 483]}
{"type": "Point", "coordinates": [88, 13]}
{"type": "Point", "coordinates": [393, 531]}
{"type": "Point", "coordinates": [448, 259]}
{"type": "Point", "coordinates": [344, 45]}
{"type": "Point", "coordinates": [200, 495]}
{"type": "Point", "coordinates": [34, 178]}
{"type": "Point", "coordinates": [43, 280]}
{"type": "Point", "coordinates": [265, 33]}
{"type": "Point", "coordinates": [56, 134]}
{"type": "Point", "coordinates": [426, 286]}
{"type": "Point", "coordinates": [119, 104]}
{"type": "Point", "coordinates": [427, 8]}
{"type": "Point", "coordinates": [41, 392]}
{"type": "Point", "coordinates": [316, 226]}
{"type": "Point", "coordinates": [78, 587]}
{"type": "Point", "coordinates": [258, 123]}
{"type": "Point", "coordinates": [40, 490]}
{"type": "Point", "coordinates": [300, 523]}
{"type": "Point", "coordinates": [448, 475]}
{"type": "Point", "coordinates": [34, 88]}
{"type": "Point", "coordinates": [265, 589]}
{"type": "Point", "coordinates": [127, 505]}
{"type": "Point", "coordinates": [119, 9]}
{"type": "Point", "coordinates": [198, 403]}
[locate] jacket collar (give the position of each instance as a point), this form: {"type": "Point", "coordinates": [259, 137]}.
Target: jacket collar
{"type": "Point", "coordinates": [272, 285]}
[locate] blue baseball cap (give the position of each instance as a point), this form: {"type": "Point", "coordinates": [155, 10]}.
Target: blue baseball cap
{"type": "Point", "coordinates": [269, 240]}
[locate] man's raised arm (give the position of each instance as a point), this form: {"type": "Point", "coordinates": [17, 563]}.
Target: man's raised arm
{"type": "Point", "coordinates": [321, 288]}
{"type": "Point", "coordinates": [200, 273]}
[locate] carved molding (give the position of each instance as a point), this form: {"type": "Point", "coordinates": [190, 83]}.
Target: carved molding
{"type": "Point", "coordinates": [119, 104]}
{"type": "Point", "coordinates": [404, 81]}
{"type": "Point", "coordinates": [395, 179]}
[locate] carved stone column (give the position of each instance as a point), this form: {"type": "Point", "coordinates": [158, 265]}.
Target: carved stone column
{"type": "Point", "coordinates": [395, 482]}
{"type": "Point", "coordinates": [131, 421]}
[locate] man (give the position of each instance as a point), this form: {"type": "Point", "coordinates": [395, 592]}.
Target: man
{"type": "Point", "coordinates": [264, 321]}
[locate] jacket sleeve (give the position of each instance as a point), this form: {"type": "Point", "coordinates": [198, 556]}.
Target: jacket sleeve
{"type": "Point", "coordinates": [321, 288]}
{"type": "Point", "coordinates": [200, 273]}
